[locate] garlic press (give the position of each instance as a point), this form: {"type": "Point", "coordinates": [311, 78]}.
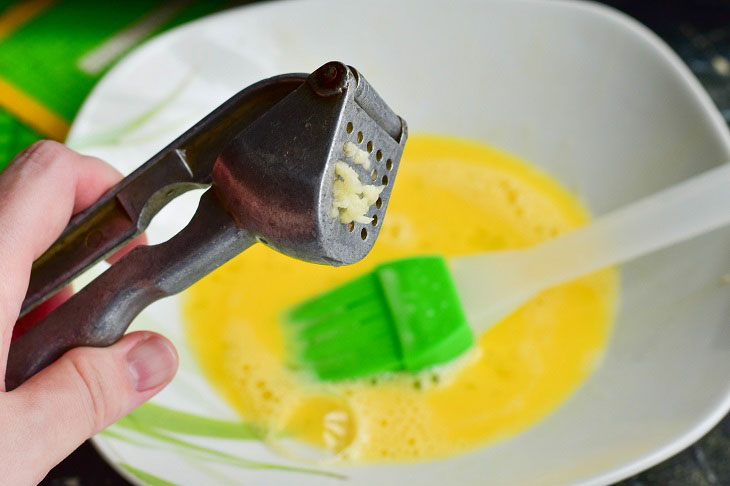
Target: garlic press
{"type": "Point", "coordinates": [267, 157]}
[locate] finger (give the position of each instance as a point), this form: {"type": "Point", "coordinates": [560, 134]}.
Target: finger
{"type": "Point", "coordinates": [48, 179]}
{"type": "Point", "coordinates": [84, 391]}
{"type": "Point", "coordinates": [43, 186]}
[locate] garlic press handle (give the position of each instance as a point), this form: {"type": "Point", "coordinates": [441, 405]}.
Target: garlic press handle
{"type": "Point", "coordinates": [126, 209]}
{"type": "Point", "coordinates": [121, 214]}
{"type": "Point", "coordinates": [99, 314]}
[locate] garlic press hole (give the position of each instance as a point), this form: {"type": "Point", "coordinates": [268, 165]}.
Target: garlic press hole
{"type": "Point", "coordinates": [379, 203]}
{"type": "Point", "coordinates": [349, 127]}
{"type": "Point", "coordinates": [364, 234]}
{"type": "Point", "coordinates": [374, 175]}
{"type": "Point", "coordinates": [389, 164]}
{"type": "Point", "coordinates": [379, 155]}
{"type": "Point", "coordinates": [370, 146]}
{"type": "Point", "coordinates": [359, 137]}
{"type": "Point", "coordinates": [374, 222]}
{"type": "Point", "coordinates": [385, 180]}
{"type": "Point", "coordinates": [351, 227]}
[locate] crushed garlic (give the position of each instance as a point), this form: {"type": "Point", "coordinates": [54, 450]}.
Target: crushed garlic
{"type": "Point", "coordinates": [357, 155]}
{"type": "Point", "coordinates": [351, 198]}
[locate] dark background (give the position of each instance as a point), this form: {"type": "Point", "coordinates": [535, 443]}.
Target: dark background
{"type": "Point", "coordinates": [699, 31]}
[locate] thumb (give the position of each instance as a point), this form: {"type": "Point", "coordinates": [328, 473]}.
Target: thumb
{"type": "Point", "coordinates": [86, 390]}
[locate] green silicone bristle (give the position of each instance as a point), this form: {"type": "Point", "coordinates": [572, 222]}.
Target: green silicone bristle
{"type": "Point", "coordinates": [403, 316]}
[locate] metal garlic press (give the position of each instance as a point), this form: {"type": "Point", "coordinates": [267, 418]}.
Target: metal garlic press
{"type": "Point", "coordinates": [267, 156]}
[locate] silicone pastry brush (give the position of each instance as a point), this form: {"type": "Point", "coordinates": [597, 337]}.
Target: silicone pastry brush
{"type": "Point", "coordinates": [415, 313]}
{"type": "Point", "coordinates": [273, 156]}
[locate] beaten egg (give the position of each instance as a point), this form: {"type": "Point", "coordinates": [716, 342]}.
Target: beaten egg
{"type": "Point", "coordinates": [451, 197]}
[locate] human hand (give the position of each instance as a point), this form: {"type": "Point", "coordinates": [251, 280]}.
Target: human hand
{"type": "Point", "coordinates": [87, 389]}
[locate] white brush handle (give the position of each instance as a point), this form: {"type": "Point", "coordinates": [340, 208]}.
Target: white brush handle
{"type": "Point", "coordinates": [493, 284]}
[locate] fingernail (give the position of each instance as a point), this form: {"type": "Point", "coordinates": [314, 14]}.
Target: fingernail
{"type": "Point", "coordinates": [151, 362]}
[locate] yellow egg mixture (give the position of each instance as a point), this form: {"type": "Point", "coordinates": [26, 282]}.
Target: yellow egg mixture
{"type": "Point", "coordinates": [451, 197]}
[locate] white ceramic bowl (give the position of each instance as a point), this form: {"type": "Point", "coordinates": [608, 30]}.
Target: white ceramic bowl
{"type": "Point", "coordinates": [584, 92]}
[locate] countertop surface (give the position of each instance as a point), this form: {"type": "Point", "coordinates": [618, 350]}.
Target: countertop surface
{"type": "Point", "coordinates": [699, 31]}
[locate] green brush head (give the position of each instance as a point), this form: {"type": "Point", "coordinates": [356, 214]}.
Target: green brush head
{"type": "Point", "coordinates": [403, 316]}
